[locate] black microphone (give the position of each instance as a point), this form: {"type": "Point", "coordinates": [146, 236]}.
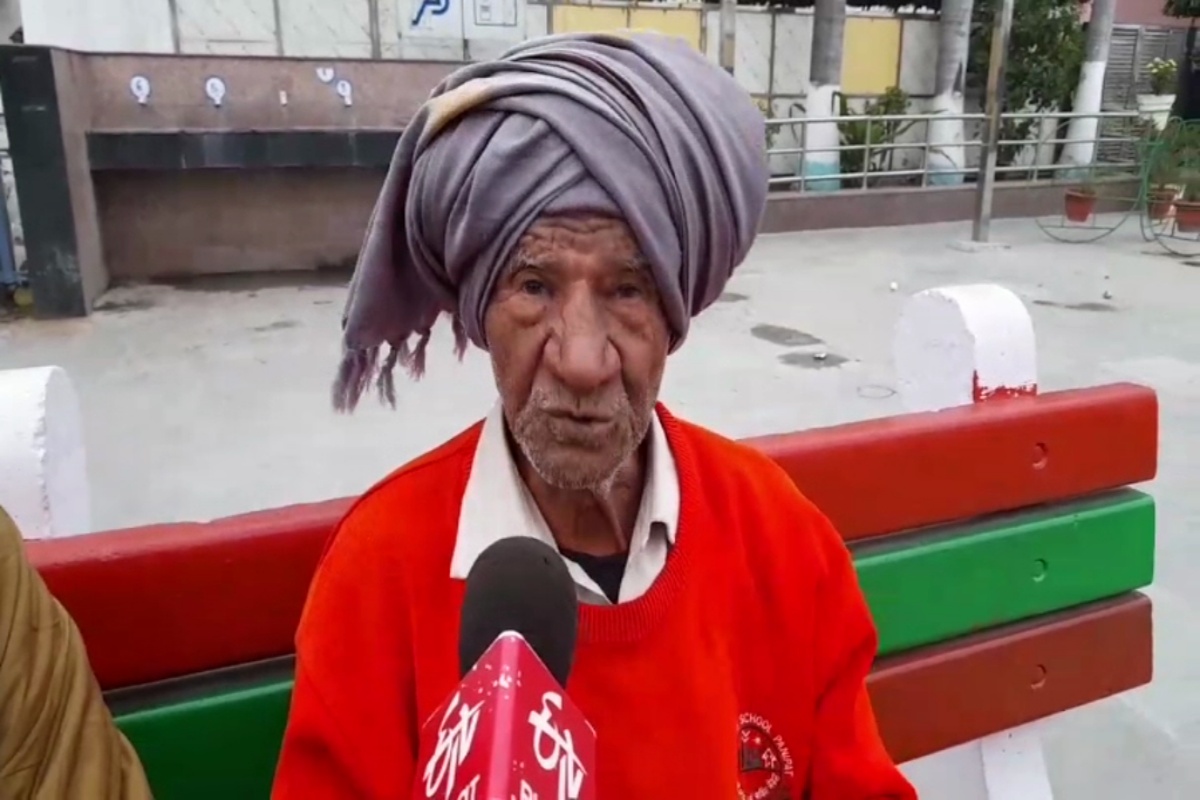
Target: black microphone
{"type": "Point", "coordinates": [520, 584]}
{"type": "Point", "coordinates": [509, 730]}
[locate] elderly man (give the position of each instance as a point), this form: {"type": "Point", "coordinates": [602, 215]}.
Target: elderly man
{"type": "Point", "coordinates": [57, 739]}
{"type": "Point", "coordinates": [572, 205]}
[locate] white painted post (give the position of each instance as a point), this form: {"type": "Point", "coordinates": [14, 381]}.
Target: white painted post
{"type": "Point", "coordinates": [946, 155]}
{"type": "Point", "coordinates": [43, 472]}
{"type": "Point", "coordinates": [955, 346]}
{"type": "Point", "coordinates": [820, 102]}
{"type": "Point", "coordinates": [1014, 766]}
{"type": "Point", "coordinates": [1082, 132]}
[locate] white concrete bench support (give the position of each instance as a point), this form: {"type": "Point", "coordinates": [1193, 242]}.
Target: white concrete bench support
{"type": "Point", "coordinates": [955, 346]}
{"type": "Point", "coordinates": [43, 469]}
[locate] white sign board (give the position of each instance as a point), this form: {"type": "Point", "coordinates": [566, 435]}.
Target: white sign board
{"type": "Point", "coordinates": [495, 19]}
{"type": "Point", "coordinates": [462, 19]}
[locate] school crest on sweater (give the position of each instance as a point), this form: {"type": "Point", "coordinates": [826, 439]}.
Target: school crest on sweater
{"type": "Point", "coordinates": [764, 761]}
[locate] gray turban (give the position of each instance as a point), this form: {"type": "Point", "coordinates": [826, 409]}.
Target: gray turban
{"type": "Point", "coordinates": [636, 125]}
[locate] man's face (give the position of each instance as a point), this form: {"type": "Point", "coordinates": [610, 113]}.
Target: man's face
{"type": "Point", "coordinates": [578, 343]}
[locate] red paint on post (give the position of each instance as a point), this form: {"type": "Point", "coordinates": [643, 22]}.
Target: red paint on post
{"type": "Point", "coordinates": [981, 393]}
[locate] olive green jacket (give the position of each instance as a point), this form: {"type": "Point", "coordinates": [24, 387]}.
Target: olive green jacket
{"type": "Point", "coordinates": [57, 738]}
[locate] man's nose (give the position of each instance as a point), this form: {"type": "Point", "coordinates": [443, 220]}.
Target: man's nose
{"type": "Point", "coordinates": [579, 352]}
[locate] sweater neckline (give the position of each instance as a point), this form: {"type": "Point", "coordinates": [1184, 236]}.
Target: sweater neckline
{"type": "Point", "coordinates": [629, 621]}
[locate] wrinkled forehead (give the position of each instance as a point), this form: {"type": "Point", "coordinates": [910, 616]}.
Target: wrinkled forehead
{"type": "Point", "coordinates": [598, 240]}
{"type": "Point", "coordinates": [582, 220]}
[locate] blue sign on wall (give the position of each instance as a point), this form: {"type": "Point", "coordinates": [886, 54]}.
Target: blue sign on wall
{"type": "Point", "coordinates": [436, 8]}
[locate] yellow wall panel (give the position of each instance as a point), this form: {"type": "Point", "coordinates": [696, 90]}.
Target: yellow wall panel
{"type": "Point", "coordinates": [871, 55]}
{"type": "Point", "coordinates": [681, 22]}
{"type": "Point", "coordinates": [587, 19]}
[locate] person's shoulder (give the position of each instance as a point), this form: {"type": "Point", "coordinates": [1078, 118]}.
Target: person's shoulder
{"type": "Point", "coordinates": [10, 536]}
{"type": "Point", "coordinates": [389, 518]}
{"type": "Point", "coordinates": [751, 486]}
{"type": "Point", "coordinates": [12, 556]}
{"type": "Point", "coordinates": [399, 531]}
{"type": "Point", "coordinates": [422, 480]}
{"type": "Point", "coordinates": [727, 460]}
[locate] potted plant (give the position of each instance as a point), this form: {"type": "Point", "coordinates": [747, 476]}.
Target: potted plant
{"type": "Point", "coordinates": [1187, 207]}
{"type": "Point", "coordinates": [1156, 106]}
{"type": "Point", "coordinates": [1163, 184]}
{"type": "Point", "coordinates": [1080, 203]}
{"type": "Point", "coordinates": [1160, 200]}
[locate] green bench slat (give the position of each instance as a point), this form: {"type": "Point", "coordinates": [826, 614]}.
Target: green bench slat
{"type": "Point", "coordinates": [224, 746]}
{"type": "Point", "coordinates": [927, 587]}
{"type": "Point", "coordinates": [938, 585]}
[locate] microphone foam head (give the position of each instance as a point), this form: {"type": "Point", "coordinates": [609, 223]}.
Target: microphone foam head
{"type": "Point", "coordinates": [520, 584]}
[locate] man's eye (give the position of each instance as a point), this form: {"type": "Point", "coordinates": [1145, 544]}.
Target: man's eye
{"type": "Point", "coordinates": [629, 291]}
{"type": "Point", "coordinates": [533, 286]}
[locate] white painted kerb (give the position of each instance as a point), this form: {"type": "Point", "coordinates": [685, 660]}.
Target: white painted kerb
{"type": "Point", "coordinates": [954, 340]}
{"type": "Point", "coordinates": [43, 472]}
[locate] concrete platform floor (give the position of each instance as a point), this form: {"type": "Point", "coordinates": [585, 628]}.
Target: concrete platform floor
{"type": "Point", "coordinates": [211, 398]}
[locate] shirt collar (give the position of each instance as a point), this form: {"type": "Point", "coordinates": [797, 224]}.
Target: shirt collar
{"type": "Point", "coordinates": [496, 503]}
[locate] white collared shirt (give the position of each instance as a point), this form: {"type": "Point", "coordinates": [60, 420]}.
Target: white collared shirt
{"type": "Point", "coordinates": [497, 504]}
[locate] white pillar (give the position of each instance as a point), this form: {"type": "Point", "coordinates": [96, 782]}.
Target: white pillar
{"type": "Point", "coordinates": [43, 472]}
{"type": "Point", "coordinates": [955, 346]}
{"type": "Point", "coordinates": [947, 141]}
{"type": "Point", "coordinates": [819, 167]}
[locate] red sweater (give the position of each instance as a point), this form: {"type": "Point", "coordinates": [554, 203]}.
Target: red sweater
{"type": "Point", "coordinates": [739, 674]}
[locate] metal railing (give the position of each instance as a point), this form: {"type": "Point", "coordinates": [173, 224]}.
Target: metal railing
{"type": "Point", "coordinates": [875, 166]}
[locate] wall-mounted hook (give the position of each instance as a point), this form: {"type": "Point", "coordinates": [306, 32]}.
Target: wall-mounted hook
{"type": "Point", "coordinates": [139, 85]}
{"type": "Point", "coordinates": [214, 87]}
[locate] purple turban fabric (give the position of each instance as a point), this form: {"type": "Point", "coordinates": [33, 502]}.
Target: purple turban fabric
{"type": "Point", "coordinates": [637, 125]}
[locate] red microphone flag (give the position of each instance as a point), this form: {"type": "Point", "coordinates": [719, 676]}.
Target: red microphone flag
{"type": "Point", "coordinates": [509, 732]}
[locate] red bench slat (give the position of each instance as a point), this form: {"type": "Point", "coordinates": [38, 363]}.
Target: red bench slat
{"type": "Point", "coordinates": [898, 473]}
{"type": "Point", "coordinates": [167, 600]}
{"type": "Point", "coordinates": [998, 680]}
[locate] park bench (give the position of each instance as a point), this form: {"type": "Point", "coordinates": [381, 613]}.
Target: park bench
{"type": "Point", "coordinates": [997, 540]}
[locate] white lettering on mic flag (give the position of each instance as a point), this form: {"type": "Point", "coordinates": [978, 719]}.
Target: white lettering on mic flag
{"type": "Point", "coordinates": [468, 792]}
{"type": "Point", "coordinates": [527, 792]}
{"type": "Point", "coordinates": [453, 745]}
{"type": "Point", "coordinates": [562, 758]}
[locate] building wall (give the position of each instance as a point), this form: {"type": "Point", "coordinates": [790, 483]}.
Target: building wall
{"type": "Point", "coordinates": [142, 26]}
{"type": "Point", "coordinates": [10, 18]}
{"type": "Point", "coordinates": [881, 50]}
{"type": "Point", "coordinates": [315, 64]}
{"type": "Point", "coordinates": [1145, 12]}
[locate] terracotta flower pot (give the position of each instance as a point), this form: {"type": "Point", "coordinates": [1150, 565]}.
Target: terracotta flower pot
{"type": "Point", "coordinates": [1187, 216]}
{"type": "Point", "coordinates": [1158, 205]}
{"type": "Point", "coordinates": [1080, 204]}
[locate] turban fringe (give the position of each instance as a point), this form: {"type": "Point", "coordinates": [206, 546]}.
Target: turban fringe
{"type": "Point", "coordinates": [638, 124]}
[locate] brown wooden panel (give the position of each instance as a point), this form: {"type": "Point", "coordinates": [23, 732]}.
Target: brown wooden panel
{"type": "Point", "coordinates": [952, 693]}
